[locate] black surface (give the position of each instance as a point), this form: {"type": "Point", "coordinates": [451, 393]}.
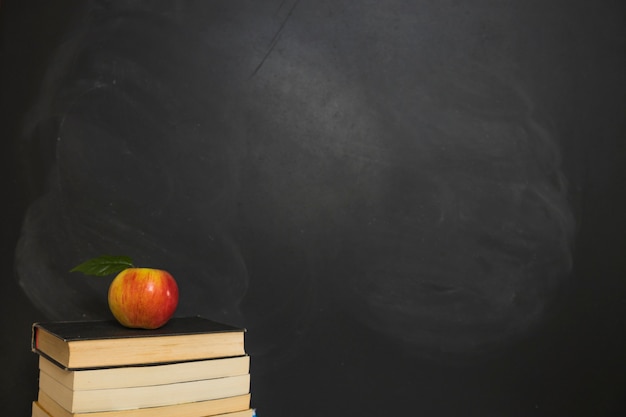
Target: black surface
{"type": "Point", "coordinates": [413, 207]}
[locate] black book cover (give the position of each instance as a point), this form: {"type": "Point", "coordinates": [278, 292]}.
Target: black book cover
{"type": "Point", "coordinates": [70, 331]}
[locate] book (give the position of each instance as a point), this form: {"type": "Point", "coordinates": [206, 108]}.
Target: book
{"type": "Point", "coordinates": [145, 375]}
{"type": "Point", "coordinates": [106, 343]}
{"type": "Point", "coordinates": [46, 406]}
{"type": "Point", "coordinates": [112, 399]}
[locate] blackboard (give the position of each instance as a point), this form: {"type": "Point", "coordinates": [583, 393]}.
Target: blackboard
{"type": "Point", "coordinates": [398, 200]}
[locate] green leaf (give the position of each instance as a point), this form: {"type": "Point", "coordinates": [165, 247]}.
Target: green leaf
{"type": "Point", "coordinates": [104, 265]}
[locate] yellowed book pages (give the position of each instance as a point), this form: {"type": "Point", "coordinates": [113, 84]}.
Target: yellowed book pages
{"type": "Point", "coordinates": [39, 411]}
{"type": "Point", "coordinates": [143, 397]}
{"type": "Point", "coordinates": [139, 376]}
{"type": "Point", "coordinates": [218, 407]}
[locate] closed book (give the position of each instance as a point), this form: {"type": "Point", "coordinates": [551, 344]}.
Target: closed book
{"type": "Point", "coordinates": [106, 343]}
{"type": "Point", "coordinates": [87, 401]}
{"type": "Point", "coordinates": [145, 375]}
{"type": "Point", "coordinates": [228, 406]}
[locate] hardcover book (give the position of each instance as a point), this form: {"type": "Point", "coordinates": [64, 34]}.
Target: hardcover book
{"type": "Point", "coordinates": [112, 399]}
{"type": "Point", "coordinates": [145, 375]}
{"type": "Point", "coordinates": [227, 407]}
{"type": "Point", "coordinates": [105, 343]}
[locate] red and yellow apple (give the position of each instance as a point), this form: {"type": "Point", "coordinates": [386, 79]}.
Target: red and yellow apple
{"type": "Point", "coordinates": [143, 298]}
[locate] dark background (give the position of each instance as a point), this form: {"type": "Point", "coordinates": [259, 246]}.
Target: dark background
{"type": "Point", "coordinates": [415, 208]}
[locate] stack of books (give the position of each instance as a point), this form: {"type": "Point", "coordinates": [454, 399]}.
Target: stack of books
{"type": "Point", "coordinates": [191, 367]}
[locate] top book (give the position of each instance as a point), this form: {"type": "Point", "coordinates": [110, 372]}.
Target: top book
{"type": "Point", "coordinates": [106, 343]}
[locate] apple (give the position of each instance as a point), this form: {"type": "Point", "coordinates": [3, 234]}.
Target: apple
{"type": "Point", "coordinates": [143, 298]}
